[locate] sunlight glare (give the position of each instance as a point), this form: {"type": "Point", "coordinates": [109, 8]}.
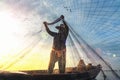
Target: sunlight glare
{"type": "Point", "coordinates": [9, 26]}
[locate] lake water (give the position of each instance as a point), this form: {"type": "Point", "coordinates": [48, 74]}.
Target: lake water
{"type": "Point", "coordinates": [109, 74]}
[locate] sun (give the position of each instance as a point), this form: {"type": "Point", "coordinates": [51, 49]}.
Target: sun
{"type": "Point", "coordinates": [9, 26]}
{"type": "Point", "coordinates": [12, 45]}
{"type": "Point", "coordinates": [8, 22]}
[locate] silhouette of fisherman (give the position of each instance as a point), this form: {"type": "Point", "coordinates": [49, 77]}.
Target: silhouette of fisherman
{"type": "Point", "coordinates": [58, 52]}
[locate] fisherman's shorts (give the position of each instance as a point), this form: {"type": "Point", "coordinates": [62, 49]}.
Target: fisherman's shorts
{"type": "Point", "coordinates": [59, 56]}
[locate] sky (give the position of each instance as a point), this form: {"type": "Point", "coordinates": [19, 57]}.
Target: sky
{"type": "Point", "coordinates": [96, 21]}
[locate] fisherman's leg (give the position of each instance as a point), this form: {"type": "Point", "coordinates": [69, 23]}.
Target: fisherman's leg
{"type": "Point", "coordinates": [62, 62]}
{"type": "Point", "coordinates": [52, 62]}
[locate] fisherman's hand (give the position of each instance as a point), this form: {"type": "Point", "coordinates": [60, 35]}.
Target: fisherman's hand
{"type": "Point", "coordinates": [62, 16]}
{"type": "Point", "coordinates": [45, 23]}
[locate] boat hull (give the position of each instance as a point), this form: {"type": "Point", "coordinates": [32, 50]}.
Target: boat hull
{"type": "Point", "coordinates": [87, 75]}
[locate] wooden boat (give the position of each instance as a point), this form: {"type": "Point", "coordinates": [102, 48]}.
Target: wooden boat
{"type": "Point", "coordinates": [70, 74]}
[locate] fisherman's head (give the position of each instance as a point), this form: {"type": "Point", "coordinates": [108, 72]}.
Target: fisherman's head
{"type": "Point", "coordinates": [61, 28]}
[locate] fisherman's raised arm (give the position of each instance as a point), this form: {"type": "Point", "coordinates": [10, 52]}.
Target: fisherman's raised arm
{"type": "Point", "coordinates": [66, 26]}
{"type": "Point", "coordinates": [48, 30]}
